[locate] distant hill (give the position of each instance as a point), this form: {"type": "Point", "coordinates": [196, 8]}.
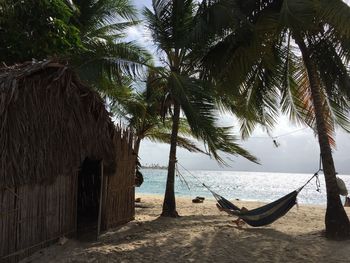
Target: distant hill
{"type": "Point", "coordinates": [154, 166]}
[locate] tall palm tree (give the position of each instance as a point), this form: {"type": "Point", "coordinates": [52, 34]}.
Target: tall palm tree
{"type": "Point", "coordinates": [296, 54]}
{"type": "Point", "coordinates": [146, 123]}
{"type": "Point", "coordinates": [143, 113]}
{"type": "Point", "coordinates": [185, 92]}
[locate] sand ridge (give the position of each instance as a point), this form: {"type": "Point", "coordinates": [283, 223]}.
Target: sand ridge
{"type": "Point", "coordinates": [204, 234]}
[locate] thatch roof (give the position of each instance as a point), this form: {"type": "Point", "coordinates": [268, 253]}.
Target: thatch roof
{"type": "Point", "coordinates": [49, 123]}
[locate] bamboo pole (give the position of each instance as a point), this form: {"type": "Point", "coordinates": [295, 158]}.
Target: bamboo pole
{"type": "Point", "coordinates": [100, 202]}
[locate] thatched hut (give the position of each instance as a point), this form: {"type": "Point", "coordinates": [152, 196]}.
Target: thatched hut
{"type": "Point", "coordinates": [64, 166]}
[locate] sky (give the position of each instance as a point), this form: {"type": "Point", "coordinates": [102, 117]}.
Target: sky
{"type": "Point", "coordinates": [298, 152]}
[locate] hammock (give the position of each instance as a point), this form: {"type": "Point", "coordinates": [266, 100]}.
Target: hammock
{"type": "Point", "coordinates": [261, 216]}
{"type": "Point", "coordinates": [266, 214]}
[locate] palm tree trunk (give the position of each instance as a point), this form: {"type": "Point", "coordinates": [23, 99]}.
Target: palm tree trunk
{"type": "Point", "coordinates": [138, 174]}
{"type": "Point", "coordinates": [169, 204]}
{"type": "Point", "coordinates": [336, 220]}
{"type": "Point", "coordinates": [137, 147]}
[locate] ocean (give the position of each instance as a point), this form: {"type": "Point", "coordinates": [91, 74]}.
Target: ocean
{"type": "Point", "coordinates": [248, 186]}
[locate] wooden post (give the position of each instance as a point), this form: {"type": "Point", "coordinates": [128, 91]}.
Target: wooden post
{"type": "Point", "coordinates": [100, 202]}
{"type": "Point", "coordinates": [76, 202]}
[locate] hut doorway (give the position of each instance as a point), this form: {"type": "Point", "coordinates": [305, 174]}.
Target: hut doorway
{"type": "Point", "coordinates": [89, 196]}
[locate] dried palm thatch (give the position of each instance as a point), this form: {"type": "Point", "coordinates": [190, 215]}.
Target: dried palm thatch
{"type": "Point", "coordinates": [49, 122]}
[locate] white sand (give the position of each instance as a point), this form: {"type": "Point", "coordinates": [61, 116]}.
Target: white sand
{"type": "Point", "coordinates": [203, 234]}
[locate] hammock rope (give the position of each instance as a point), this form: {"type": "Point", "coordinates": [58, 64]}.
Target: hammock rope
{"type": "Point", "coordinates": [181, 177]}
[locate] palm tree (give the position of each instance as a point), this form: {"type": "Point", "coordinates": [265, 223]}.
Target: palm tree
{"type": "Point", "coordinates": [141, 111]}
{"type": "Point", "coordinates": [88, 34]}
{"type": "Point", "coordinates": [171, 23]}
{"type": "Point", "coordinates": [146, 123]}
{"type": "Point", "coordinates": [293, 53]}
{"type": "Point", "coordinates": [107, 58]}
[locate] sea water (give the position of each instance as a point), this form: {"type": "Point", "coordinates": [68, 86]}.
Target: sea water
{"type": "Point", "coordinates": [249, 186]}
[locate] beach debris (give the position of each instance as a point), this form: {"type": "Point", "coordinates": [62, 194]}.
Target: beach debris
{"type": "Point", "coordinates": [198, 199]}
{"type": "Point", "coordinates": [138, 200]}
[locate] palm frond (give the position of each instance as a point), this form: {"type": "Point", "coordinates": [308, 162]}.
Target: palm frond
{"type": "Point", "coordinates": [110, 31]}
{"type": "Point", "coordinates": [297, 14]}
{"type": "Point", "coordinates": [93, 14]}
{"type": "Point", "coordinates": [332, 67]}
{"type": "Point", "coordinates": [198, 105]}
{"type": "Point", "coordinates": [182, 142]}
{"type": "Point", "coordinates": [112, 60]}
{"type": "Point", "coordinates": [335, 13]}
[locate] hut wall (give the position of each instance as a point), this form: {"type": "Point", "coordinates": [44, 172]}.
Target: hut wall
{"type": "Point", "coordinates": [118, 205]}
{"type": "Point", "coordinates": [33, 216]}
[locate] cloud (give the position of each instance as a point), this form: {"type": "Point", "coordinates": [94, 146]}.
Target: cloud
{"type": "Point", "coordinates": [298, 152]}
{"type": "Point", "coordinates": [135, 33]}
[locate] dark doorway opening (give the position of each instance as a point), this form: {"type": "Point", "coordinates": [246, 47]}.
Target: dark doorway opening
{"type": "Point", "coordinates": [89, 189]}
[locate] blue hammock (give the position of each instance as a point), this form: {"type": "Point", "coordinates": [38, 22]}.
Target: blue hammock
{"type": "Point", "coordinates": [261, 216]}
{"type": "Point", "coordinates": [266, 214]}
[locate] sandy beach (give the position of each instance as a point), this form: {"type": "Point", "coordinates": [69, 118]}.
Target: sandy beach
{"type": "Point", "coordinates": [204, 234]}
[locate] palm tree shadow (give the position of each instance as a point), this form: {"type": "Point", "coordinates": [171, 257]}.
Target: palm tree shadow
{"type": "Point", "coordinates": [267, 232]}
{"type": "Point", "coordinates": [204, 238]}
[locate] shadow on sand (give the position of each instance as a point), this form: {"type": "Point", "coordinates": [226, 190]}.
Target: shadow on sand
{"type": "Point", "coordinates": [202, 238]}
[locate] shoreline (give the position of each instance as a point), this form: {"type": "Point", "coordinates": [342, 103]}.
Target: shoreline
{"type": "Point", "coordinates": [244, 171]}
{"type": "Point", "coordinates": [233, 185]}
{"type": "Point", "coordinates": [212, 199]}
